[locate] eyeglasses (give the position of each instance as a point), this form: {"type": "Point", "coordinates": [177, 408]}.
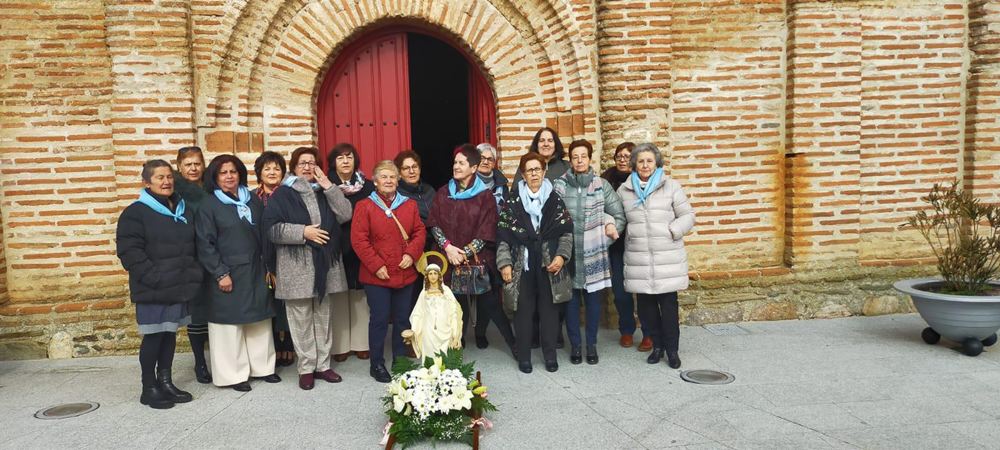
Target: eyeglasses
{"type": "Point", "coordinates": [623, 157]}
{"type": "Point", "coordinates": [533, 170]}
{"type": "Point", "coordinates": [413, 168]}
{"type": "Point", "coordinates": [487, 159]}
{"type": "Point", "coordinates": [308, 163]}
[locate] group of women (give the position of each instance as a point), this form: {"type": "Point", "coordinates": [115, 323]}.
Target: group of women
{"type": "Point", "coordinates": [306, 269]}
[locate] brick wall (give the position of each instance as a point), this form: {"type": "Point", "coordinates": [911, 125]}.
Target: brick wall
{"type": "Point", "coordinates": [804, 131]}
{"type": "Point", "coordinates": [982, 118]}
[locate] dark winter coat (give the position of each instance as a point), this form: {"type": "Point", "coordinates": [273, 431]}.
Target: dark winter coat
{"type": "Point", "coordinates": [461, 221]}
{"type": "Point", "coordinates": [352, 265]}
{"type": "Point", "coordinates": [378, 242]}
{"type": "Point", "coordinates": [228, 244]}
{"type": "Point", "coordinates": [159, 254]}
{"type": "Point", "coordinates": [193, 194]}
{"type": "Point", "coordinates": [423, 194]}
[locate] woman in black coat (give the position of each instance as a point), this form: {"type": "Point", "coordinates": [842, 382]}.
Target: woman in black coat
{"type": "Point", "coordinates": [155, 242]}
{"type": "Point", "coordinates": [350, 309]}
{"type": "Point", "coordinates": [229, 248]}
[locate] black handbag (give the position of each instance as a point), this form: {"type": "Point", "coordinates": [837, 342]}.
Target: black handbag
{"type": "Point", "coordinates": [470, 279]}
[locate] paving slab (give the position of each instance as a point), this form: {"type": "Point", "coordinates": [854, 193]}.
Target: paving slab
{"type": "Point", "coordinates": [840, 383]}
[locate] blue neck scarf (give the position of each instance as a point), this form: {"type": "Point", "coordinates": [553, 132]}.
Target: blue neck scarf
{"type": "Point", "coordinates": [533, 202]}
{"type": "Point", "coordinates": [399, 200]}
{"type": "Point", "coordinates": [291, 179]}
{"type": "Point", "coordinates": [147, 199]}
{"type": "Point", "coordinates": [472, 191]}
{"type": "Point", "coordinates": [241, 205]}
{"type": "Point", "coordinates": [643, 194]}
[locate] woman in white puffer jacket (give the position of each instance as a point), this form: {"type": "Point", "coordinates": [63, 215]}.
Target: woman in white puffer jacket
{"type": "Point", "coordinates": [658, 215]}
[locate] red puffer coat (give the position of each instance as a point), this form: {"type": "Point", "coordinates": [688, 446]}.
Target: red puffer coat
{"type": "Point", "coordinates": [377, 241]}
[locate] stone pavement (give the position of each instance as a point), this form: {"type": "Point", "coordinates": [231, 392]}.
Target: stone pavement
{"type": "Point", "coordinates": [841, 383]}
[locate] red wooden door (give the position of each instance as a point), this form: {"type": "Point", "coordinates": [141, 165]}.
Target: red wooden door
{"type": "Point", "coordinates": [482, 109]}
{"type": "Point", "coordinates": [365, 100]}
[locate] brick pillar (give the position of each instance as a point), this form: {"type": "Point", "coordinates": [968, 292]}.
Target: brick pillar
{"type": "Point", "coordinates": [634, 72]}
{"type": "Point", "coordinates": [823, 125]}
{"type": "Point", "coordinates": [152, 109]}
{"type": "Point", "coordinates": [912, 103]}
{"type": "Point", "coordinates": [982, 119]}
{"type": "Point", "coordinates": [726, 128]}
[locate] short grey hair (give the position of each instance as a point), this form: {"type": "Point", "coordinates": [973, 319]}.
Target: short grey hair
{"type": "Point", "coordinates": [385, 165]}
{"type": "Point", "coordinates": [487, 147]}
{"type": "Point", "coordinates": [643, 148]}
{"type": "Point", "coordinates": [150, 166]}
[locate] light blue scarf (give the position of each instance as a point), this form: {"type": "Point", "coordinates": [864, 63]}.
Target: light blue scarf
{"type": "Point", "coordinates": [291, 179]}
{"type": "Point", "coordinates": [396, 203]}
{"type": "Point", "coordinates": [474, 190]}
{"type": "Point", "coordinates": [147, 199]}
{"type": "Point", "coordinates": [643, 194]}
{"type": "Point", "coordinates": [533, 202]}
{"type": "Point", "coordinates": [241, 205]}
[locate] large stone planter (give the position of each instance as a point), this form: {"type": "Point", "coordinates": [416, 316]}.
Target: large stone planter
{"type": "Point", "coordinates": [970, 320]}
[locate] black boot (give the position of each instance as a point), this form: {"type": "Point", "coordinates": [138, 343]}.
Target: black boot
{"type": "Point", "coordinates": [591, 354]}
{"type": "Point", "coordinates": [575, 355]}
{"type": "Point", "coordinates": [481, 342]}
{"type": "Point", "coordinates": [655, 356]}
{"type": "Point", "coordinates": [513, 349]}
{"type": "Point", "coordinates": [673, 360]}
{"type": "Point", "coordinates": [202, 374]}
{"type": "Point", "coordinates": [524, 366]}
{"type": "Point", "coordinates": [154, 397]}
{"type": "Point", "coordinates": [175, 395]}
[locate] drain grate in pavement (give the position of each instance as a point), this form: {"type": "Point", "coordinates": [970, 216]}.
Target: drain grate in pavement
{"type": "Point", "coordinates": [702, 376]}
{"type": "Point", "coordinates": [725, 329]}
{"type": "Point", "coordinates": [67, 410]}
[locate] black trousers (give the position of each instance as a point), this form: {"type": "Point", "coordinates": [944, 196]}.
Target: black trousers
{"type": "Point", "coordinates": [535, 295]}
{"type": "Point", "coordinates": [488, 308]}
{"type": "Point", "coordinates": [658, 312]}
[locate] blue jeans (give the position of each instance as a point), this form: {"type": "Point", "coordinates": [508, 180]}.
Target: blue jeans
{"type": "Point", "coordinates": [383, 302]}
{"type": "Point", "coordinates": [592, 303]}
{"type": "Point", "coordinates": [624, 302]}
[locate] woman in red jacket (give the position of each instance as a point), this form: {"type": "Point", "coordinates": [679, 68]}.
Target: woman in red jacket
{"type": "Point", "coordinates": [388, 237]}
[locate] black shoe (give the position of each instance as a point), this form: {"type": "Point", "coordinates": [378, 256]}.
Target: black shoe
{"type": "Point", "coordinates": [242, 387]}
{"type": "Point", "coordinates": [272, 378]}
{"type": "Point", "coordinates": [591, 354]}
{"type": "Point", "coordinates": [655, 356]}
{"type": "Point", "coordinates": [481, 342]}
{"type": "Point", "coordinates": [575, 356]}
{"type": "Point", "coordinates": [559, 341]}
{"type": "Point", "coordinates": [154, 397]}
{"type": "Point", "coordinates": [167, 386]}
{"type": "Point", "coordinates": [552, 366]}
{"type": "Point", "coordinates": [524, 366]}
{"type": "Point", "coordinates": [202, 374]}
{"type": "Point", "coordinates": [673, 360]}
{"type": "Point", "coordinates": [379, 373]}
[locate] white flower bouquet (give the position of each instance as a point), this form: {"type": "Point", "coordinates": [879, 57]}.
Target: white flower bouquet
{"type": "Point", "coordinates": [439, 400]}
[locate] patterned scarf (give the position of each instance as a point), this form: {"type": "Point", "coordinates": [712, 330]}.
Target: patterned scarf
{"type": "Point", "coordinates": [241, 205]}
{"type": "Point", "coordinates": [355, 184]}
{"type": "Point", "coordinates": [177, 214]}
{"type": "Point", "coordinates": [597, 267]}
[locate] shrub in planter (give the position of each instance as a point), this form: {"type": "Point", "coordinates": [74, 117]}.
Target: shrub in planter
{"type": "Point", "coordinates": [964, 235]}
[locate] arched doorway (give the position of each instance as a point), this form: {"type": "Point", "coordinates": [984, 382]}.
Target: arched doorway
{"type": "Point", "coordinates": [405, 88]}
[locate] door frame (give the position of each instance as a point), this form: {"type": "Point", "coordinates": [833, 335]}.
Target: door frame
{"type": "Point", "coordinates": [367, 37]}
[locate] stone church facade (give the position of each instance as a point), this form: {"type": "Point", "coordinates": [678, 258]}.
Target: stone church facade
{"type": "Point", "coordinates": [805, 132]}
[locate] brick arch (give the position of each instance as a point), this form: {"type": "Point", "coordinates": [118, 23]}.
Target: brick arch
{"type": "Point", "coordinates": [544, 76]}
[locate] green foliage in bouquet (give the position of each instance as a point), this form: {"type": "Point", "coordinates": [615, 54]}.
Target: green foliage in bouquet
{"type": "Point", "coordinates": [435, 400]}
{"type": "Point", "coordinates": [964, 234]}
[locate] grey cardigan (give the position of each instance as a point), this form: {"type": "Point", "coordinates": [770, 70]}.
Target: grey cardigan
{"type": "Point", "coordinates": [295, 271]}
